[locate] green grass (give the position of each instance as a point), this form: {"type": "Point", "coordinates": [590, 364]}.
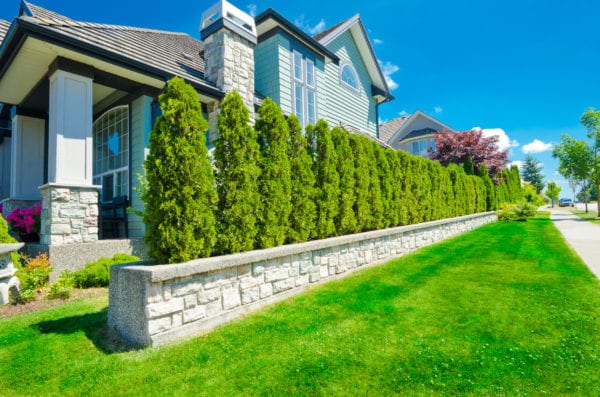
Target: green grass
{"type": "Point", "coordinates": [591, 215]}
{"type": "Point", "coordinates": [504, 310]}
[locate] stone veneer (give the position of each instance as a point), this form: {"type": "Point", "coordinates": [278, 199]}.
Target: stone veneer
{"type": "Point", "coordinates": [229, 64]}
{"type": "Point", "coordinates": [69, 214]}
{"type": "Point", "coordinates": [153, 305]}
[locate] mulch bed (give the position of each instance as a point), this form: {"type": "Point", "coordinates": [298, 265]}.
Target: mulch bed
{"type": "Point", "coordinates": [41, 302]}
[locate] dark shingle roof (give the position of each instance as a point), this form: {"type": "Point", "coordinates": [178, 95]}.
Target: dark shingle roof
{"type": "Point", "coordinates": [324, 33]}
{"type": "Point", "coordinates": [171, 52]}
{"type": "Point", "coordinates": [4, 26]}
{"type": "Point", "coordinates": [388, 129]}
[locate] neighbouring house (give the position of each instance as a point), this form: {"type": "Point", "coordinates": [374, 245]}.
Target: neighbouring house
{"type": "Point", "coordinates": [413, 133]}
{"type": "Point", "coordinates": [78, 100]}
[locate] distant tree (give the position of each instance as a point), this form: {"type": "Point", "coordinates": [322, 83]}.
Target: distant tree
{"type": "Point", "coordinates": [274, 182]}
{"type": "Point", "coordinates": [553, 191]}
{"type": "Point", "coordinates": [576, 161]}
{"type": "Point", "coordinates": [591, 121]}
{"type": "Point", "coordinates": [179, 194]}
{"type": "Point", "coordinates": [532, 172]}
{"type": "Point", "coordinates": [454, 148]}
{"type": "Point", "coordinates": [302, 217]}
{"type": "Point", "coordinates": [236, 161]}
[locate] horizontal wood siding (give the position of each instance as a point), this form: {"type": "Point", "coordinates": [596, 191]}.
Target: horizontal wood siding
{"type": "Point", "coordinates": [266, 69]}
{"type": "Point", "coordinates": [341, 103]}
{"type": "Point", "coordinates": [141, 119]}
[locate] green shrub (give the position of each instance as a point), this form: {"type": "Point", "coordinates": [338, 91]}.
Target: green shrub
{"type": "Point", "coordinates": [327, 181]}
{"type": "Point", "coordinates": [97, 274]}
{"type": "Point", "coordinates": [180, 197]}
{"type": "Point", "coordinates": [5, 238]}
{"type": "Point", "coordinates": [33, 275]}
{"type": "Point", "coordinates": [516, 212]}
{"type": "Point", "coordinates": [58, 291]}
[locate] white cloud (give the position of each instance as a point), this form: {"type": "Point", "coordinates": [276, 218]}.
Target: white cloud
{"type": "Point", "coordinates": [252, 9]}
{"type": "Point", "coordinates": [518, 163]}
{"type": "Point", "coordinates": [388, 69]}
{"type": "Point", "coordinates": [377, 41]}
{"type": "Point", "coordinates": [403, 113]}
{"type": "Point", "coordinates": [301, 23]}
{"type": "Point", "coordinates": [438, 109]}
{"type": "Point", "coordinates": [504, 142]}
{"type": "Point", "coordinates": [536, 146]}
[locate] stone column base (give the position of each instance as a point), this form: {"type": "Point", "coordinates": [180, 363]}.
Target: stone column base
{"type": "Point", "coordinates": [69, 214]}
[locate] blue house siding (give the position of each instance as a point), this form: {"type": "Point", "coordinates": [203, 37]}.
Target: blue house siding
{"type": "Point", "coordinates": [341, 103]}
{"type": "Point", "coordinates": [266, 68]}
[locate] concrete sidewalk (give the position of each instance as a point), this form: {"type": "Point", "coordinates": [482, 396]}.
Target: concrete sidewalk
{"type": "Point", "coordinates": [582, 235]}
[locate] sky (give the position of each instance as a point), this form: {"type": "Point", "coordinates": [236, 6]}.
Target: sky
{"type": "Point", "coordinates": [523, 69]}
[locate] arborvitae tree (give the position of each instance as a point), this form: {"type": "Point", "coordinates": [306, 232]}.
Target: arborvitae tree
{"type": "Point", "coordinates": [327, 181]}
{"type": "Point", "coordinates": [179, 196]}
{"type": "Point", "coordinates": [409, 198]}
{"type": "Point", "coordinates": [491, 203]}
{"type": "Point", "coordinates": [437, 203]}
{"type": "Point", "coordinates": [397, 214]}
{"type": "Point", "coordinates": [236, 162]}
{"type": "Point", "coordinates": [362, 207]}
{"type": "Point", "coordinates": [303, 193]}
{"type": "Point", "coordinates": [516, 180]}
{"type": "Point", "coordinates": [447, 193]}
{"type": "Point", "coordinates": [377, 210]}
{"type": "Point", "coordinates": [345, 220]}
{"type": "Point", "coordinates": [385, 182]}
{"type": "Point", "coordinates": [468, 166]}
{"type": "Point", "coordinates": [274, 182]}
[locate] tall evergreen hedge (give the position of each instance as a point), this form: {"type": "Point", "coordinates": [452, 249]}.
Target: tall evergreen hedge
{"type": "Point", "coordinates": [327, 181]}
{"type": "Point", "coordinates": [274, 183]}
{"type": "Point", "coordinates": [345, 221]}
{"type": "Point", "coordinates": [179, 197]}
{"type": "Point", "coordinates": [303, 193]}
{"type": "Point", "coordinates": [237, 171]}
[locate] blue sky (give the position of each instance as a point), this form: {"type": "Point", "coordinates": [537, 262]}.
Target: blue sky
{"type": "Point", "coordinates": [527, 69]}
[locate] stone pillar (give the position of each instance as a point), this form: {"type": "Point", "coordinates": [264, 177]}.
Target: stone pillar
{"type": "Point", "coordinates": [229, 36]}
{"type": "Point", "coordinates": [27, 157]}
{"type": "Point", "coordinates": [70, 200]}
{"type": "Point", "coordinates": [69, 214]}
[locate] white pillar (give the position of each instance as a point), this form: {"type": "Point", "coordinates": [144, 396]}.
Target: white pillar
{"type": "Point", "coordinates": [70, 129]}
{"type": "Point", "coordinates": [27, 157]}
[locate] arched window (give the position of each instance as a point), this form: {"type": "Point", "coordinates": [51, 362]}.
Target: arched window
{"type": "Point", "coordinates": [111, 153]}
{"type": "Point", "coordinates": [349, 76]}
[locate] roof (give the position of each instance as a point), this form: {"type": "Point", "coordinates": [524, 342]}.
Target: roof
{"type": "Point", "coordinates": [359, 34]}
{"type": "Point", "coordinates": [388, 129]}
{"type": "Point", "coordinates": [4, 26]}
{"type": "Point", "coordinates": [164, 53]}
{"type": "Point", "coordinates": [353, 130]}
{"type": "Point", "coordinates": [408, 130]}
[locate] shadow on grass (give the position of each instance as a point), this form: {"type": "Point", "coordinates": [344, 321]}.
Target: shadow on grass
{"type": "Point", "coordinates": [95, 327]}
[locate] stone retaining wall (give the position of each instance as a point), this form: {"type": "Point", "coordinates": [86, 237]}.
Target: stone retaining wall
{"type": "Point", "coordinates": [153, 305]}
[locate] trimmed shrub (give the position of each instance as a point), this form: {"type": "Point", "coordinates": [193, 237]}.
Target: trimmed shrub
{"type": "Point", "coordinates": [362, 205]}
{"type": "Point", "coordinates": [236, 161]}
{"type": "Point", "coordinates": [516, 212]}
{"type": "Point", "coordinates": [303, 193]}
{"type": "Point", "coordinates": [375, 200]}
{"type": "Point", "coordinates": [385, 175]}
{"type": "Point", "coordinates": [97, 274]}
{"type": "Point", "coordinates": [345, 221]}
{"type": "Point", "coordinates": [327, 181]}
{"type": "Point", "coordinates": [274, 182]}
{"type": "Point", "coordinates": [5, 238]}
{"type": "Point", "coordinates": [179, 197]}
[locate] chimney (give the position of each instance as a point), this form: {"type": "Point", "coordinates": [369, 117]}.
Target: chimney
{"type": "Point", "coordinates": [229, 36]}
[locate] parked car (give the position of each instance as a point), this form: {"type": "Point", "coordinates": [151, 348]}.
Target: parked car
{"type": "Point", "coordinates": [565, 202]}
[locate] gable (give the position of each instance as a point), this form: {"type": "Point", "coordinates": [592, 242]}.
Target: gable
{"type": "Point", "coordinates": [418, 126]}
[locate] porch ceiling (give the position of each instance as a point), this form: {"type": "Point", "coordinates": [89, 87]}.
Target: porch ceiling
{"type": "Point", "coordinates": [30, 65]}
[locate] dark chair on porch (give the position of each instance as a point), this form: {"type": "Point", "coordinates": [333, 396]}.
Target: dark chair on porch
{"type": "Point", "coordinates": [113, 217]}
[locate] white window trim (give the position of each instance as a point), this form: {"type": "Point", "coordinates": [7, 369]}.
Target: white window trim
{"type": "Point", "coordinates": [305, 87]}
{"type": "Point", "coordinates": [314, 74]}
{"type": "Point", "coordinates": [348, 64]}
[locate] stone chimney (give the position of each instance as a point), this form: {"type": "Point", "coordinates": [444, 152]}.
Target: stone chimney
{"type": "Point", "coordinates": [229, 36]}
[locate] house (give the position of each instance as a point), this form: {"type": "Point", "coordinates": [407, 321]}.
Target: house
{"type": "Point", "coordinates": [413, 133]}
{"type": "Point", "coordinates": [78, 99]}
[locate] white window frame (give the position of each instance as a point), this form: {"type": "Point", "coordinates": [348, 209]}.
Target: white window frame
{"type": "Point", "coordinates": [346, 64]}
{"type": "Point", "coordinates": [305, 88]}
{"type": "Point", "coordinates": [98, 174]}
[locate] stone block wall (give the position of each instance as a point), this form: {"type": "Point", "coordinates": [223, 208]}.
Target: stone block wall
{"type": "Point", "coordinates": [153, 305]}
{"type": "Point", "coordinates": [69, 214]}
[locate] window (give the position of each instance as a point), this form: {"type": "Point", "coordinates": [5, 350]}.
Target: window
{"type": "Point", "coordinates": [304, 89]}
{"type": "Point", "coordinates": [111, 152]}
{"type": "Point", "coordinates": [423, 147]}
{"type": "Point", "coordinates": [349, 77]}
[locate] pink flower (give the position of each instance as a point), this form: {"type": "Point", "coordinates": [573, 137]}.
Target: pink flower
{"type": "Point", "coordinates": [25, 220]}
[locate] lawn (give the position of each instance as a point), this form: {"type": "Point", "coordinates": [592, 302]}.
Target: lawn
{"type": "Point", "coordinates": [505, 310]}
{"type": "Point", "coordinates": [591, 215]}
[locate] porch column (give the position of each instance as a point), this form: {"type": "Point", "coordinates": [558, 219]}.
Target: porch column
{"type": "Point", "coordinates": [27, 157]}
{"type": "Point", "coordinates": [70, 200]}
